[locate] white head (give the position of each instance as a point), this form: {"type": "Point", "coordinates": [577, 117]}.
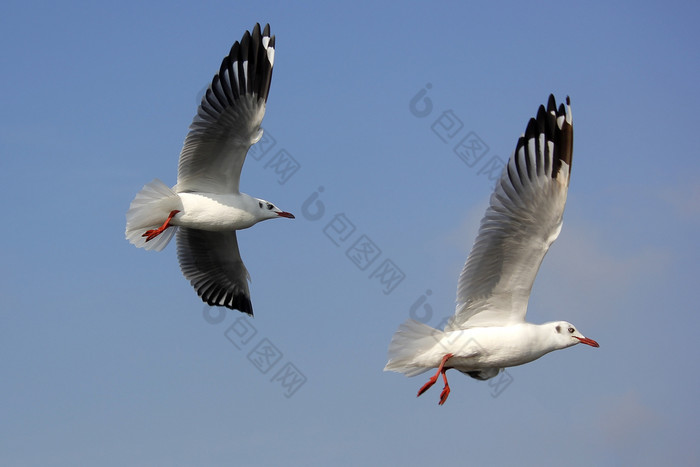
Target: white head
{"type": "Point", "coordinates": [267, 210]}
{"type": "Point", "coordinates": [565, 335]}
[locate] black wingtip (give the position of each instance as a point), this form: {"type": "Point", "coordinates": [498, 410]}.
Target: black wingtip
{"type": "Point", "coordinates": [242, 304]}
{"type": "Point", "coordinates": [215, 295]}
{"type": "Point", "coordinates": [551, 104]}
{"type": "Point", "coordinates": [563, 138]}
{"type": "Point", "coordinates": [239, 303]}
{"type": "Point", "coordinates": [246, 70]}
{"type": "Point", "coordinates": [233, 53]}
{"type": "Point", "coordinates": [532, 127]}
{"type": "Point", "coordinates": [541, 118]}
{"type": "Point", "coordinates": [253, 50]}
{"type": "Point", "coordinates": [561, 134]}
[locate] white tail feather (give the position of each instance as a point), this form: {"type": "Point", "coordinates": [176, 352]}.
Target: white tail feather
{"type": "Point", "coordinates": [148, 210]}
{"type": "Point", "coordinates": [412, 340]}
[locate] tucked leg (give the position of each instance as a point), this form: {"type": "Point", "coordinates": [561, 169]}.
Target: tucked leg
{"type": "Point", "coordinates": [151, 234]}
{"type": "Point", "coordinates": [431, 381]}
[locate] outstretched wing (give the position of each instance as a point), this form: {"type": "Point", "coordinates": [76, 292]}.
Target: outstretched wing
{"type": "Point", "coordinates": [522, 221]}
{"type": "Point", "coordinates": [212, 263]}
{"type": "Point", "coordinates": [228, 119]}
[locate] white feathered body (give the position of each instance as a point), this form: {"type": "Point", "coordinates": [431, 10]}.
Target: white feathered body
{"type": "Point", "coordinates": [417, 347]}
{"type": "Point", "coordinates": [216, 212]}
{"type": "Point", "coordinates": [213, 212]}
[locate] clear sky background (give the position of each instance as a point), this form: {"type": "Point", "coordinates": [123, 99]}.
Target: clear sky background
{"type": "Point", "coordinates": [109, 358]}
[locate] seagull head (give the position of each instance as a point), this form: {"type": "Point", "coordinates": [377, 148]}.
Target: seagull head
{"type": "Point", "coordinates": [566, 335]}
{"type": "Point", "coordinates": [267, 210]}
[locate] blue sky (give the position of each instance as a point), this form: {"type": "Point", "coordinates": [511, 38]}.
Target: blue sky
{"type": "Point", "coordinates": [108, 356]}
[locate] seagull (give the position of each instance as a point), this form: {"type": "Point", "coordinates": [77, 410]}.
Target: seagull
{"type": "Point", "coordinates": [488, 331]}
{"type": "Point", "coordinates": [205, 207]}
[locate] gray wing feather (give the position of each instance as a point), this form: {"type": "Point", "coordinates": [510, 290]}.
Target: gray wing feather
{"type": "Point", "coordinates": [229, 117]}
{"type": "Point", "coordinates": [523, 219]}
{"type": "Point", "coordinates": [212, 263]}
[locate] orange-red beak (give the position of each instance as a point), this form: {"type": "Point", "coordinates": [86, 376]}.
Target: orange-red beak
{"type": "Point", "coordinates": [587, 341]}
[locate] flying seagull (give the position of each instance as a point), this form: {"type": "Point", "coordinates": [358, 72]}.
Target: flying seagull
{"type": "Point", "coordinates": [488, 331]}
{"type": "Point", "coordinates": [205, 207]}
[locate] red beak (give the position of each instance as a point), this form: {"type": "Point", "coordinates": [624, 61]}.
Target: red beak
{"type": "Point", "coordinates": [586, 340]}
{"type": "Point", "coordinates": [286, 214]}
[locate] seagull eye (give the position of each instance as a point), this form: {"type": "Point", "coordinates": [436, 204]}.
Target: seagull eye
{"type": "Point", "coordinates": [571, 330]}
{"type": "Point", "coordinates": [269, 206]}
{"type": "Point", "coordinates": [259, 204]}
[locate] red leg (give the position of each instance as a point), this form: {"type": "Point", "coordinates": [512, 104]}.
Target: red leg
{"type": "Point", "coordinates": [431, 381]}
{"type": "Point", "coordinates": [445, 390]}
{"type": "Point", "coordinates": [429, 384]}
{"type": "Point", "coordinates": [151, 234]}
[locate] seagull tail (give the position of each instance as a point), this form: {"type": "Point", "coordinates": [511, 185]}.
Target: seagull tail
{"type": "Point", "coordinates": [148, 211]}
{"type": "Point", "coordinates": [410, 342]}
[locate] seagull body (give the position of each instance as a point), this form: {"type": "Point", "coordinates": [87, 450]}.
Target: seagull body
{"type": "Point", "coordinates": [488, 331]}
{"type": "Point", "coordinates": [205, 208]}
{"type": "Point", "coordinates": [216, 212]}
